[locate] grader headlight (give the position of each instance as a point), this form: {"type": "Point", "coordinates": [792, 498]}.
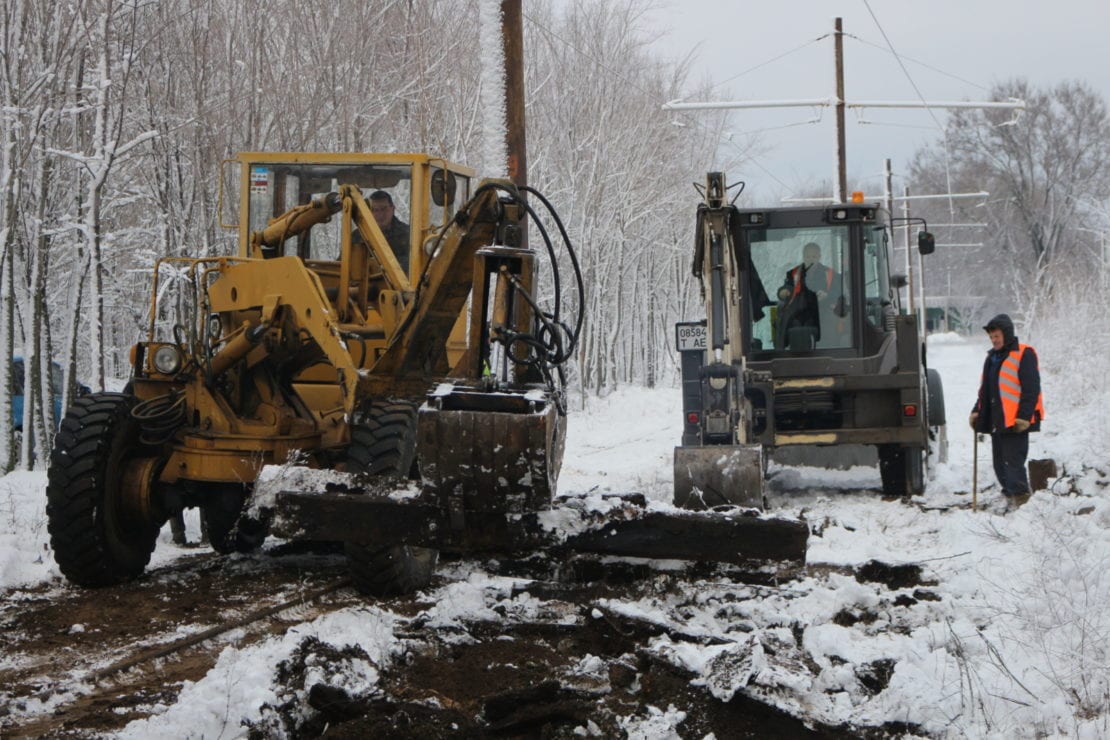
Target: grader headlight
{"type": "Point", "coordinates": [167, 359]}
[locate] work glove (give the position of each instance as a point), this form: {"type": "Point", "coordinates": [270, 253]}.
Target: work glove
{"type": "Point", "coordinates": [1021, 425]}
{"type": "Point", "coordinates": [973, 419]}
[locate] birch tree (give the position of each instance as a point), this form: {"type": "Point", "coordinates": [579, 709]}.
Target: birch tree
{"type": "Point", "coordinates": [112, 131]}
{"type": "Point", "coordinates": [606, 152]}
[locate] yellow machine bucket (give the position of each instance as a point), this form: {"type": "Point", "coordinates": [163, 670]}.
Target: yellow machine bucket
{"type": "Point", "coordinates": [490, 451]}
{"type": "Point", "coordinates": [718, 475]}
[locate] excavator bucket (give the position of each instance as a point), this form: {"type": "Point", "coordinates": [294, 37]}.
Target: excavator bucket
{"type": "Point", "coordinates": [718, 475]}
{"type": "Point", "coordinates": [493, 452]}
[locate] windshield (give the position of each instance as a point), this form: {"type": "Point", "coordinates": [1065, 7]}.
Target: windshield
{"type": "Point", "coordinates": [799, 288]}
{"type": "Point", "coordinates": [275, 188]}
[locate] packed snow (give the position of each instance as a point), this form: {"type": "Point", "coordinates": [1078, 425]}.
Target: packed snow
{"type": "Point", "coordinates": [1007, 636]}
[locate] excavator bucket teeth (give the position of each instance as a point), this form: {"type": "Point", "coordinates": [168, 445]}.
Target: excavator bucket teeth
{"type": "Point", "coordinates": [494, 452]}
{"type": "Point", "coordinates": [721, 475]}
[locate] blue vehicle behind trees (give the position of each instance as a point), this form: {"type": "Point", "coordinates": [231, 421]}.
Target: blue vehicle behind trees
{"type": "Point", "coordinates": [57, 385]}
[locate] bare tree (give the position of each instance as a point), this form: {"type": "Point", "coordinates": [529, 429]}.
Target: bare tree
{"type": "Point", "coordinates": [606, 152]}
{"type": "Point", "coordinates": [1043, 171]}
{"type": "Point", "coordinates": [114, 119]}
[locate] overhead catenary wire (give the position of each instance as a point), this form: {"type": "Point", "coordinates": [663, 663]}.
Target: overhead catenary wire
{"type": "Point", "coordinates": [770, 61]}
{"type": "Point", "coordinates": [917, 90]}
{"type": "Point", "coordinates": [927, 66]}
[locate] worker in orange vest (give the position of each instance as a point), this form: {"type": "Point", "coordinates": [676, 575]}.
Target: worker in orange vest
{"type": "Point", "coordinates": [1009, 406]}
{"type": "Point", "coordinates": [807, 287]}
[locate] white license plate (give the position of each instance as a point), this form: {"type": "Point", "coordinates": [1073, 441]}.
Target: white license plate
{"type": "Point", "coordinates": [691, 337]}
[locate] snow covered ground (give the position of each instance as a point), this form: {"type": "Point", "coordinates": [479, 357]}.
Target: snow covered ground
{"type": "Point", "coordinates": [1007, 633]}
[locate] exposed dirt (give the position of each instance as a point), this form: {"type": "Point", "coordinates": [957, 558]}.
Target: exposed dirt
{"type": "Point", "coordinates": [74, 646]}
{"type": "Point", "coordinates": [581, 668]}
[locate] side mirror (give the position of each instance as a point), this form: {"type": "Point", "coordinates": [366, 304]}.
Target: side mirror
{"type": "Point", "coordinates": [443, 188]}
{"type": "Point", "coordinates": [925, 243]}
{"type": "Point", "coordinates": [898, 281]}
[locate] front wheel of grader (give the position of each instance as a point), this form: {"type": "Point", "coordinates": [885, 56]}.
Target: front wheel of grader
{"type": "Point", "coordinates": [383, 442]}
{"type": "Point", "coordinates": [102, 527]}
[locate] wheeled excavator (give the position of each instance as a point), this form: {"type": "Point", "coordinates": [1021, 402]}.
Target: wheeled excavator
{"type": "Point", "coordinates": [434, 392]}
{"type": "Point", "coordinates": [804, 348]}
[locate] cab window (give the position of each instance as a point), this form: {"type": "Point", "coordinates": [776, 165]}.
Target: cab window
{"type": "Point", "coordinates": [275, 188]}
{"type": "Point", "coordinates": [876, 285]}
{"type": "Point", "coordinates": [799, 289]}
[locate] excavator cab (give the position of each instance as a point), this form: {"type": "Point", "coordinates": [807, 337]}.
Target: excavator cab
{"type": "Point", "coordinates": [820, 282]}
{"type": "Point", "coordinates": [806, 354]}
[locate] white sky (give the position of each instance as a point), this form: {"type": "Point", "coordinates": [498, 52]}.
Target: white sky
{"type": "Point", "coordinates": [978, 41]}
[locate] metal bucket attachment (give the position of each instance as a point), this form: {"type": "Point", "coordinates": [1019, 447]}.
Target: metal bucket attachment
{"type": "Point", "coordinates": [490, 451]}
{"type": "Point", "coordinates": [718, 475]}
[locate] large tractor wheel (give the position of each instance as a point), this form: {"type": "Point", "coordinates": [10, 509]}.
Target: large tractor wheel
{"type": "Point", "coordinates": [383, 442]}
{"type": "Point", "coordinates": [101, 526]}
{"type": "Point", "coordinates": [902, 470]}
{"type": "Point", "coordinates": [229, 528]}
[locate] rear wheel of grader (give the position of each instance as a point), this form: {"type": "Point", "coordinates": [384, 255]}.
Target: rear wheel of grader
{"type": "Point", "coordinates": [902, 470]}
{"type": "Point", "coordinates": [102, 528]}
{"type": "Point", "coordinates": [229, 528]}
{"type": "Point", "coordinates": [383, 442]}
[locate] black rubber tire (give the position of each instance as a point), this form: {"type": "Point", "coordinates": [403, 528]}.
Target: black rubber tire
{"type": "Point", "coordinates": [934, 403]}
{"type": "Point", "coordinates": [383, 440]}
{"type": "Point", "coordinates": [390, 571]}
{"type": "Point", "coordinates": [902, 470]}
{"type": "Point", "coordinates": [96, 541]}
{"type": "Point", "coordinates": [383, 443]}
{"type": "Point", "coordinates": [229, 529]}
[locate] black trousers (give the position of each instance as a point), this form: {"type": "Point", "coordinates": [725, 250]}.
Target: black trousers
{"type": "Point", "coordinates": [1009, 450]}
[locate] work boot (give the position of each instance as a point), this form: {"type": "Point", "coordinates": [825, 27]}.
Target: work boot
{"type": "Point", "coordinates": [1019, 499]}
{"type": "Point", "coordinates": [177, 528]}
{"type": "Point", "coordinates": [999, 505]}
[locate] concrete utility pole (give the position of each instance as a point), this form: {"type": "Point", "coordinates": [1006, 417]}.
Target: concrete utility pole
{"type": "Point", "coordinates": [888, 186]}
{"type": "Point", "coordinates": [840, 174]}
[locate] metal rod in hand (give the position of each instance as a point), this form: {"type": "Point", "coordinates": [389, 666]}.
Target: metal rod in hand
{"type": "Point", "coordinates": [975, 471]}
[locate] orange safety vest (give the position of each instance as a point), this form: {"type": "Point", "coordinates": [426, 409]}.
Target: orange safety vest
{"type": "Point", "coordinates": [795, 274]}
{"type": "Point", "coordinates": [1009, 389]}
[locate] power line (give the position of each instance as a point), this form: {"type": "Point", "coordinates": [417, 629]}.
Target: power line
{"type": "Point", "coordinates": [909, 77]}
{"type": "Point", "coordinates": [920, 63]}
{"type": "Point", "coordinates": [770, 61]}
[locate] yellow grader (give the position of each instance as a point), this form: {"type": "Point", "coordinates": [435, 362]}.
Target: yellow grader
{"type": "Point", "coordinates": [344, 339]}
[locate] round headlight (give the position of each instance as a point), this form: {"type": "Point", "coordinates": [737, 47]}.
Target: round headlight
{"type": "Point", "coordinates": [214, 329]}
{"type": "Point", "coordinates": [167, 360]}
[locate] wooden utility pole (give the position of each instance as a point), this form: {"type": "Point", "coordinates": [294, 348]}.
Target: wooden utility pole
{"type": "Point", "coordinates": [841, 194]}
{"type": "Point", "coordinates": [512, 33]}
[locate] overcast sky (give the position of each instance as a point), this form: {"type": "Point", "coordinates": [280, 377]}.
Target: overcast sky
{"type": "Point", "coordinates": [967, 46]}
